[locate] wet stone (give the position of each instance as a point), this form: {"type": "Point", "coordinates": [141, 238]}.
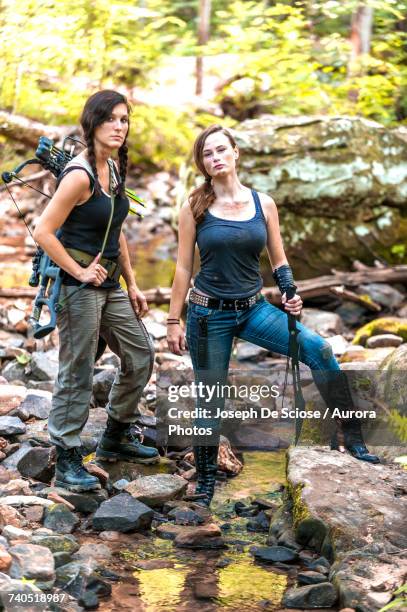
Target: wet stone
{"type": "Point", "coordinates": [93, 551]}
{"type": "Point", "coordinates": [275, 554]}
{"type": "Point", "coordinates": [321, 595]}
{"type": "Point", "coordinates": [259, 524]}
{"type": "Point", "coordinates": [60, 519]}
{"type": "Point", "coordinates": [122, 513]}
{"type": "Point", "coordinates": [89, 600]}
{"type": "Point", "coordinates": [155, 490]}
{"type": "Point", "coordinates": [61, 558]}
{"type": "Point", "coordinates": [310, 577]}
{"type": "Point", "coordinates": [185, 516]}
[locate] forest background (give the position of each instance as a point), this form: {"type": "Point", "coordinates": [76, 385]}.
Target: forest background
{"type": "Point", "coordinates": [230, 61]}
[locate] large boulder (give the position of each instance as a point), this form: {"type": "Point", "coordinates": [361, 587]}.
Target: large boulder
{"type": "Point", "coordinates": [352, 513]}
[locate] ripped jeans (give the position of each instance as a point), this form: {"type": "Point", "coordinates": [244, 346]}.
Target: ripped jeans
{"type": "Point", "coordinates": [210, 334]}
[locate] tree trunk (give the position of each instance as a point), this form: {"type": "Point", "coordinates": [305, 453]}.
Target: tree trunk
{"type": "Point", "coordinates": [203, 37]}
{"type": "Point", "coordinates": [361, 32]}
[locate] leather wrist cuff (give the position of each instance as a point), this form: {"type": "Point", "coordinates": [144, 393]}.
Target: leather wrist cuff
{"type": "Point", "coordinates": [284, 278]}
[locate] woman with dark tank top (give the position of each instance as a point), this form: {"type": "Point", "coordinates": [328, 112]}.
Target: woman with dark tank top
{"type": "Point", "coordinates": [231, 225]}
{"type": "Point", "coordinates": [81, 231]}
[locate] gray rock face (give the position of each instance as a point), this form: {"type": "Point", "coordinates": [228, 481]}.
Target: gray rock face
{"type": "Point", "coordinates": [345, 523]}
{"type": "Point", "coordinates": [122, 513]}
{"type": "Point", "coordinates": [10, 426]}
{"type": "Point", "coordinates": [310, 577]}
{"type": "Point", "coordinates": [33, 563]}
{"type": "Point", "coordinates": [37, 403]}
{"type": "Point", "coordinates": [334, 168]}
{"type": "Point", "coordinates": [60, 519]}
{"type": "Point", "coordinates": [321, 595]}
{"type": "Point", "coordinates": [14, 371]}
{"type": "Point", "coordinates": [275, 554]}
{"type": "Point", "coordinates": [157, 489]}
{"type": "Point", "coordinates": [185, 516]}
{"type": "Point", "coordinates": [9, 588]}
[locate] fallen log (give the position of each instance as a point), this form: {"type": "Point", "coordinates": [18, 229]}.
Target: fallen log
{"type": "Point", "coordinates": [336, 284]}
{"type": "Point", "coordinates": [27, 131]}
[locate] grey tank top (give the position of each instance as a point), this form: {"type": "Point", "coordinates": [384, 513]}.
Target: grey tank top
{"type": "Point", "coordinates": [230, 253]}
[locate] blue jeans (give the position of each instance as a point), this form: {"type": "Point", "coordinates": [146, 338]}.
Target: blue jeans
{"type": "Point", "coordinates": [210, 334]}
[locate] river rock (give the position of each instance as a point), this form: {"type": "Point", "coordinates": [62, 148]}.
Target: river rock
{"type": "Point", "coordinates": [10, 516]}
{"type": "Point", "coordinates": [156, 490]}
{"type": "Point", "coordinates": [16, 486]}
{"type": "Point", "coordinates": [14, 371]}
{"type": "Point", "coordinates": [384, 340]}
{"type": "Point", "coordinates": [60, 519]}
{"type": "Point", "coordinates": [321, 595]}
{"type": "Point", "coordinates": [15, 533]}
{"type": "Point", "coordinates": [44, 365]}
{"type": "Point", "coordinates": [11, 397]}
{"type": "Point", "coordinates": [56, 542]}
{"type": "Point", "coordinates": [33, 562]}
{"type": "Point", "coordinates": [323, 322]}
{"type": "Point", "coordinates": [5, 560]}
{"type": "Point", "coordinates": [246, 351]}
{"type": "Point", "coordinates": [36, 463]}
{"type": "Point", "coordinates": [383, 294]}
{"type": "Point", "coordinates": [82, 502]}
{"type": "Point", "coordinates": [275, 554]}
{"type": "Point", "coordinates": [132, 471]}
{"type": "Point", "coordinates": [391, 384]}
{"type": "Point", "coordinates": [122, 513]}
{"type": "Point", "coordinates": [37, 403]}
{"type": "Point", "coordinates": [338, 344]}
{"type": "Point", "coordinates": [206, 536]}
{"type": "Point", "coordinates": [10, 426]}
{"type": "Point", "coordinates": [370, 517]}
{"type": "Point", "coordinates": [102, 384]}
{"type": "Point", "coordinates": [382, 325]}
{"type": "Point", "coordinates": [100, 552]}
{"type": "Point", "coordinates": [185, 516]}
{"type": "Point", "coordinates": [309, 577]}
{"type": "Point", "coordinates": [9, 588]}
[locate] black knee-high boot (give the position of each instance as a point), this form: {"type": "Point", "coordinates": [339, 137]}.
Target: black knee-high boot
{"type": "Point", "coordinates": [206, 463]}
{"type": "Point", "coordinates": [339, 396]}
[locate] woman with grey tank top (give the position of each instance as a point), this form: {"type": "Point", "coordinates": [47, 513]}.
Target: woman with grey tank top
{"type": "Point", "coordinates": [231, 225]}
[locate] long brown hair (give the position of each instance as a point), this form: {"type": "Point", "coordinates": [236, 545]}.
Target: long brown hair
{"type": "Point", "coordinates": [97, 110]}
{"type": "Point", "coordinates": [203, 196]}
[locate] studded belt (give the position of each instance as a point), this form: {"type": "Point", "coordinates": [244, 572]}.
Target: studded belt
{"type": "Point", "coordinates": [223, 304]}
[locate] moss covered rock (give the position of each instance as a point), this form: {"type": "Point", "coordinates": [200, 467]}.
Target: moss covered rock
{"type": "Point", "coordinates": [382, 325]}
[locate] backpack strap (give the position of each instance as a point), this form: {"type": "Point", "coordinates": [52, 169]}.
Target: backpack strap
{"type": "Point", "coordinates": [78, 163]}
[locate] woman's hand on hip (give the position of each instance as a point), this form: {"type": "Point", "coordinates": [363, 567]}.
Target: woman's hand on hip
{"type": "Point", "coordinates": [176, 339]}
{"type": "Point", "coordinates": [292, 306]}
{"type": "Point", "coordinates": [138, 301]}
{"type": "Point", "coordinates": [94, 274]}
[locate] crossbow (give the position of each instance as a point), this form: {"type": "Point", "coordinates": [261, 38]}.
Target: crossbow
{"type": "Point", "coordinates": [45, 273]}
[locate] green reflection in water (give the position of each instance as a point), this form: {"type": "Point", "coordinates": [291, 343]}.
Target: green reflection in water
{"type": "Point", "coordinates": [260, 472]}
{"type": "Point", "coordinates": [243, 584]}
{"type": "Point", "coordinates": [160, 589]}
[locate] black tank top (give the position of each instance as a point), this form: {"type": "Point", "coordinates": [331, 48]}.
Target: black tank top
{"type": "Point", "coordinates": [85, 227]}
{"type": "Point", "coordinates": [230, 253]}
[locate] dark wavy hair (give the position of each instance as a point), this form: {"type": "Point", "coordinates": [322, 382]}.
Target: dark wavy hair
{"type": "Point", "coordinates": [203, 196]}
{"type": "Point", "coordinates": [98, 109]}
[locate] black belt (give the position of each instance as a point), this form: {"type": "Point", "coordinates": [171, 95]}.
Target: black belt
{"type": "Point", "coordinates": [224, 304]}
{"type": "Point", "coordinates": [84, 259]}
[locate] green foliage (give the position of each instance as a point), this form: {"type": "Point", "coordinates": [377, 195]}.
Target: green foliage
{"type": "Point", "coordinates": [398, 423]}
{"type": "Point", "coordinates": [290, 57]}
{"type": "Point", "coordinates": [400, 601]}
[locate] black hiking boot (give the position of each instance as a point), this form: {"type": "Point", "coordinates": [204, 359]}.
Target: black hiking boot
{"type": "Point", "coordinates": [206, 463]}
{"type": "Point", "coordinates": [118, 443]}
{"type": "Point", "coordinates": [70, 473]}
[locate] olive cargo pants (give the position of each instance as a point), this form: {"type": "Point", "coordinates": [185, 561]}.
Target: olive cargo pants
{"type": "Point", "coordinates": [90, 312]}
